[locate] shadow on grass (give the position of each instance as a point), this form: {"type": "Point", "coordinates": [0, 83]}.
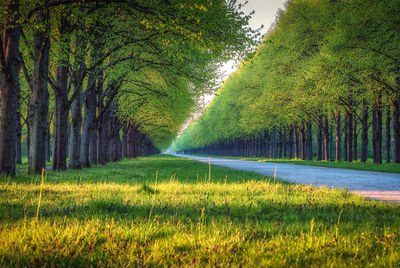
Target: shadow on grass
{"type": "Point", "coordinates": [262, 212]}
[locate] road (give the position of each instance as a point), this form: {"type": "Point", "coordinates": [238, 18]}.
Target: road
{"type": "Point", "coordinates": [373, 185]}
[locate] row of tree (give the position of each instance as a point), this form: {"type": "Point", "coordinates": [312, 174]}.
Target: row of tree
{"type": "Point", "coordinates": [115, 67]}
{"type": "Point", "coordinates": [324, 84]}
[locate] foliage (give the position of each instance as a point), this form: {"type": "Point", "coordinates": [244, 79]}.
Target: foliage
{"type": "Point", "coordinates": [320, 56]}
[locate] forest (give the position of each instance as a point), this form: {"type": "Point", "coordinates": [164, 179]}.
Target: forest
{"type": "Point", "coordinates": [91, 81]}
{"type": "Point", "coordinates": [323, 85]}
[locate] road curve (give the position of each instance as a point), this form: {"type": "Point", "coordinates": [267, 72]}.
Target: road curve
{"type": "Point", "coordinates": [374, 185]}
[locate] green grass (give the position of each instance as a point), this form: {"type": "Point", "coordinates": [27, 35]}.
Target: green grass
{"type": "Point", "coordinates": [356, 165]}
{"type": "Point", "coordinates": [163, 211]}
{"type": "Point", "coordinates": [24, 166]}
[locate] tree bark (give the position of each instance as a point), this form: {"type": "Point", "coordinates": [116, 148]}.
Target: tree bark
{"type": "Point", "coordinates": [76, 124]}
{"type": "Point", "coordinates": [364, 133]}
{"type": "Point", "coordinates": [125, 140]}
{"type": "Point", "coordinates": [377, 130]}
{"type": "Point", "coordinates": [320, 139]}
{"type": "Point", "coordinates": [18, 153]}
{"type": "Point", "coordinates": [388, 135]}
{"type": "Point", "coordinates": [302, 141]}
{"type": "Point", "coordinates": [346, 135]}
{"type": "Point", "coordinates": [396, 128]}
{"type": "Point", "coordinates": [284, 141]}
{"type": "Point", "coordinates": [355, 136]}
{"type": "Point", "coordinates": [107, 126]}
{"type": "Point", "coordinates": [280, 148]}
{"type": "Point", "coordinates": [90, 105]}
{"type": "Point", "coordinates": [290, 145]}
{"type": "Point", "coordinates": [338, 138]}
{"type": "Point", "coordinates": [48, 140]}
{"type": "Point", "coordinates": [9, 86]}
{"type": "Point", "coordinates": [310, 153]}
{"type": "Point", "coordinates": [61, 117]}
{"type": "Point", "coordinates": [101, 149]}
{"type": "Point", "coordinates": [349, 137]}
{"type": "Point", "coordinates": [296, 142]}
{"type": "Point", "coordinates": [28, 136]}
{"type": "Point", "coordinates": [39, 100]}
{"type": "Point", "coordinates": [93, 145]}
{"type": "Point", "coordinates": [76, 107]}
{"type": "Point", "coordinates": [61, 103]}
{"type": "Point", "coordinates": [326, 138]}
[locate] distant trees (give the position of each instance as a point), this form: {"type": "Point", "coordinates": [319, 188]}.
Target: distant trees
{"type": "Point", "coordinates": [324, 84]}
{"type": "Point", "coordinates": [115, 67]}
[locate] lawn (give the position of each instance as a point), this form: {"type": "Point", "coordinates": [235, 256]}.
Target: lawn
{"type": "Point", "coordinates": [163, 211]}
{"type": "Point", "coordinates": [356, 165]}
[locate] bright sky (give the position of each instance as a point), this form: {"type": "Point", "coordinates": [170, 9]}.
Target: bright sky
{"type": "Point", "coordinates": [265, 13]}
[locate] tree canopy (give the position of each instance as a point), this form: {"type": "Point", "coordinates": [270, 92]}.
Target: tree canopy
{"type": "Point", "coordinates": [321, 59]}
{"type": "Point", "coordinates": [108, 63]}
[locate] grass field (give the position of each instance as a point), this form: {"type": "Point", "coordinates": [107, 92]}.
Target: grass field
{"type": "Point", "coordinates": [356, 165]}
{"type": "Point", "coordinates": [163, 210]}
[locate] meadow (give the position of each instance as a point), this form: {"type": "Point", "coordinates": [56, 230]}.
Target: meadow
{"type": "Point", "coordinates": [168, 211]}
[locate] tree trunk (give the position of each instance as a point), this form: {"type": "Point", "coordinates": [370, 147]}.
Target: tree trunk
{"type": "Point", "coordinates": [39, 101]}
{"type": "Point", "coordinates": [355, 136]}
{"type": "Point", "coordinates": [346, 135]}
{"type": "Point", "coordinates": [280, 148]}
{"type": "Point", "coordinates": [18, 153]}
{"type": "Point", "coordinates": [338, 138]}
{"type": "Point", "coordinates": [47, 140]}
{"type": "Point", "coordinates": [9, 86]}
{"type": "Point", "coordinates": [61, 118]}
{"type": "Point", "coordinates": [396, 128]}
{"type": "Point", "coordinates": [320, 140]}
{"type": "Point", "coordinates": [326, 138]}
{"type": "Point", "coordinates": [107, 126]}
{"type": "Point", "coordinates": [284, 141]}
{"type": "Point", "coordinates": [125, 140]}
{"type": "Point", "coordinates": [61, 103]}
{"type": "Point", "coordinates": [290, 145]}
{"type": "Point", "coordinates": [349, 137]}
{"type": "Point", "coordinates": [90, 104]}
{"type": "Point", "coordinates": [388, 135]}
{"type": "Point", "coordinates": [93, 145]}
{"type": "Point", "coordinates": [101, 151]}
{"type": "Point", "coordinates": [302, 141]}
{"type": "Point", "coordinates": [76, 124]}
{"type": "Point", "coordinates": [116, 138]}
{"type": "Point", "coordinates": [364, 134]}
{"type": "Point", "coordinates": [28, 136]}
{"type": "Point", "coordinates": [331, 144]}
{"type": "Point", "coordinates": [310, 153]}
{"type": "Point", "coordinates": [296, 142]}
{"type": "Point", "coordinates": [76, 108]}
{"type": "Point", "coordinates": [267, 143]}
{"type": "Point", "coordinates": [377, 130]}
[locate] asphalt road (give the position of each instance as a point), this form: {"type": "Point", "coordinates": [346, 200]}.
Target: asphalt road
{"type": "Point", "coordinates": [374, 185]}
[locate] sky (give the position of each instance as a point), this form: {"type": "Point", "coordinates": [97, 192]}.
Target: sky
{"type": "Point", "coordinates": [265, 13]}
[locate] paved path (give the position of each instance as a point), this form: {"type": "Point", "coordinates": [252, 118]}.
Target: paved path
{"type": "Point", "coordinates": [374, 185]}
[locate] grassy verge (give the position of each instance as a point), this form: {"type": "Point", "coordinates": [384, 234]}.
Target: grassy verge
{"type": "Point", "coordinates": [163, 210]}
{"type": "Point", "coordinates": [356, 165]}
